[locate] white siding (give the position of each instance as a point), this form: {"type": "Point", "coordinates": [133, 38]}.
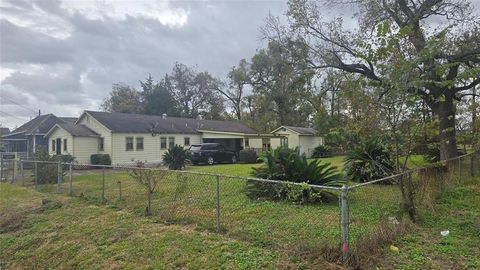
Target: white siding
{"type": "Point", "coordinates": [105, 133]}
{"type": "Point", "coordinates": [293, 138]}
{"type": "Point", "coordinates": [60, 133]}
{"type": "Point", "coordinates": [308, 143]}
{"type": "Point", "coordinates": [84, 147]}
{"type": "Point", "coordinates": [151, 152]}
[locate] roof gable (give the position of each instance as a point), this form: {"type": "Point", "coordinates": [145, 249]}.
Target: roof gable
{"type": "Point", "coordinates": [74, 130]}
{"type": "Point", "coordinates": [298, 130]}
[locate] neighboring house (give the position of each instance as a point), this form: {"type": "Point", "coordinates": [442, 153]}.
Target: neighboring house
{"type": "Point", "coordinates": [128, 138]}
{"type": "Point", "coordinates": [306, 139]}
{"type": "Point", "coordinates": [29, 137]}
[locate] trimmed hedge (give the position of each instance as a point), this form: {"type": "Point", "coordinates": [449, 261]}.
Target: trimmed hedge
{"type": "Point", "coordinates": [247, 156]}
{"type": "Point", "coordinates": [100, 159]}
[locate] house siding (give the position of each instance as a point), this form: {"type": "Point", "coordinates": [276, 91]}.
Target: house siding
{"type": "Point", "coordinates": [151, 152]}
{"type": "Point", "coordinates": [105, 133]}
{"type": "Point", "coordinates": [84, 147]}
{"type": "Point", "coordinates": [60, 133]}
{"type": "Point", "coordinates": [308, 143]}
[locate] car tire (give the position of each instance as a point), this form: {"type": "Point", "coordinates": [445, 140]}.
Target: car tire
{"type": "Point", "coordinates": [234, 159]}
{"type": "Point", "coordinates": [210, 160]}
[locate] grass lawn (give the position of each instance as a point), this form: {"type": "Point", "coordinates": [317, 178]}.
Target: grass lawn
{"type": "Point", "coordinates": [67, 233]}
{"type": "Point", "coordinates": [246, 169]}
{"type": "Point", "coordinates": [459, 212]}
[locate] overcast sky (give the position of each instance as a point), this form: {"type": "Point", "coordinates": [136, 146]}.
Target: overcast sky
{"type": "Point", "coordinates": [62, 57]}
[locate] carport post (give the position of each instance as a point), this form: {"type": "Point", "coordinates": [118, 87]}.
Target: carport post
{"type": "Point", "coordinates": [344, 221]}
{"type": "Point", "coordinates": [218, 203]}
{"type": "Point", "coordinates": [70, 179]}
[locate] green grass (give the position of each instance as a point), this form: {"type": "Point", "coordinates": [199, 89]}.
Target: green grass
{"type": "Point", "coordinates": [246, 169]}
{"type": "Point", "coordinates": [457, 211]}
{"type": "Point", "coordinates": [68, 233]}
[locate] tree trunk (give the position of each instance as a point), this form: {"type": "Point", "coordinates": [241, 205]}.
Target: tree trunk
{"type": "Point", "coordinates": [445, 111]}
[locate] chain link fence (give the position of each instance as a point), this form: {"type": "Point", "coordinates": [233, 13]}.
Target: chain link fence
{"type": "Point", "coordinates": [359, 216]}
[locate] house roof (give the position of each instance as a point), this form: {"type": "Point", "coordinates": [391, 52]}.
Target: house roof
{"type": "Point", "coordinates": [77, 130]}
{"type": "Point", "coordinates": [141, 123]}
{"type": "Point", "coordinates": [70, 120]}
{"type": "Point", "coordinates": [39, 125]}
{"type": "Point", "coordinates": [299, 130]}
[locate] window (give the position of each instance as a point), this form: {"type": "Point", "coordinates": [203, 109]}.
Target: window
{"type": "Point", "coordinates": [139, 144]}
{"type": "Point", "coordinates": [100, 144]}
{"type": "Point", "coordinates": [64, 144]}
{"type": "Point", "coordinates": [186, 141]}
{"type": "Point", "coordinates": [247, 142]}
{"type": "Point", "coordinates": [163, 142]}
{"type": "Point", "coordinates": [53, 145]}
{"type": "Point", "coordinates": [171, 142]}
{"type": "Point", "coordinates": [284, 142]}
{"type": "Point", "coordinates": [129, 144]}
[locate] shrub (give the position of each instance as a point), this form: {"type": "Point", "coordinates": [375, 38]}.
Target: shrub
{"type": "Point", "coordinates": [48, 172]}
{"type": "Point", "coordinates": [287, 165]}
{"type": "Point", "coordinates": [369, 161]}
{"type": "Point", "coordinates": [247, 156]}
{"type": "Point", "coordinates": [321, 151]}
{"type": "Point", "coordinates": [149, 180]}
{"type": "Point", "coordinates": [176, 158]}
{"type": "Point", "coordinates": [100, 159]}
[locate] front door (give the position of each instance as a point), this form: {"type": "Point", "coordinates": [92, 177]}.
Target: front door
{"type": "Point", "coordinates": [58, 147]}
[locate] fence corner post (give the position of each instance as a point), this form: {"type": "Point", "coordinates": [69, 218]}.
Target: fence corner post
{"type": "Point", "coordinates": [70, 179]}
{"type": "Point", "coordinates": [218, 202]}
{"type": "Point", "coordinates": [344, 222]}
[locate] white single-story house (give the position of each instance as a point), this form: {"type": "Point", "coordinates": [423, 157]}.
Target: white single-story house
{"type": "Point", "coordinates": [306, 139]}
{"type": "Point", "coordinates": [128, 138]}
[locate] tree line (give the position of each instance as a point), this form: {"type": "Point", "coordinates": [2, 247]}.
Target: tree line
{"type": "Point", "coordinates": [396, 75]}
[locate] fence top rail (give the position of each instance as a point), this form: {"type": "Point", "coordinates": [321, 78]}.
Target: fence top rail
{"type": "Point", "coordinates": [189, 172]}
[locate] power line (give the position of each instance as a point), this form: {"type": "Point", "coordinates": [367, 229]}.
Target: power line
{"type": "Point", "coordinates": [23, 106]}
{"type": "Point", "coordinates": [14, 116]}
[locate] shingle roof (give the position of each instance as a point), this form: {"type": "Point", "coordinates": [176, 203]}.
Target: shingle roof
{"type": "Point", "coordinates": [4, 131]}
{"type": "Point", "coordinates": [303, 130]}
{"type": "Point", "coordinates": [140, 123]}
{"type": "Point", "coordinates": [39, 125]}
{"type": "Point", "coordinates": [78, 130]}
{"type": "Point", "coordinates": [70, 120]}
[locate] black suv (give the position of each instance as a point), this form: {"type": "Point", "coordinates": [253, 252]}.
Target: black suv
{"type": "Point", "coordinates": [210, 153]}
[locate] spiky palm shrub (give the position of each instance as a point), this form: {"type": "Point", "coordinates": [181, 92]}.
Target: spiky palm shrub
{"type": "Point", "coordinates": [369, 161]}
{"type": "Point", "coordinates": [321, 151]}
{"type": "Point", "coordinates": [176, 158]}
{"type": "Point", "coordinates": [288, 165]}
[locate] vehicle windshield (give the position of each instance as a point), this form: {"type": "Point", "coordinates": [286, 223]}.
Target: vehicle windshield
{"type": "Point", "coordinates": [195, 147]}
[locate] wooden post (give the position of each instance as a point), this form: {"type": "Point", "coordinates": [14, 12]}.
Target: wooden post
{"type": "Point", "coordinates": [119, 190]}
{"type": "Point", "coordinates": [22, 173]}
{"type": "Point", "coordinates": [35, 173]}
{"type": "Point", "coordinates": [70, 179]}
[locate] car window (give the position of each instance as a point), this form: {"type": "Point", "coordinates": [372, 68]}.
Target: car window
{"type": "Point", "coordinates": [220, 147]}
{"type": "Point", "coordinates": [195, 147]}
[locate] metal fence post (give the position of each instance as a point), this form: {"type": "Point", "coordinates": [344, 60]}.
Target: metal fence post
{"type": "Point", "coordinates": [459, 169]}
{"type": "Point", "coordinates": [103, 183]}
{"type": "Point", "coordinates": [35, 173]}
{"type": "Point", "coordinates": [1, 167]}
{"type": "Point", "coordinates": [22, 173]}
{"type": "Point", "coordinates": [59, 176]}
{"type": "Point", "coordinates": [218, 202]}
{"type": "Point", "coordinates": [344, 221]}
{"type": "Point", "coordinates": [70, 179]}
